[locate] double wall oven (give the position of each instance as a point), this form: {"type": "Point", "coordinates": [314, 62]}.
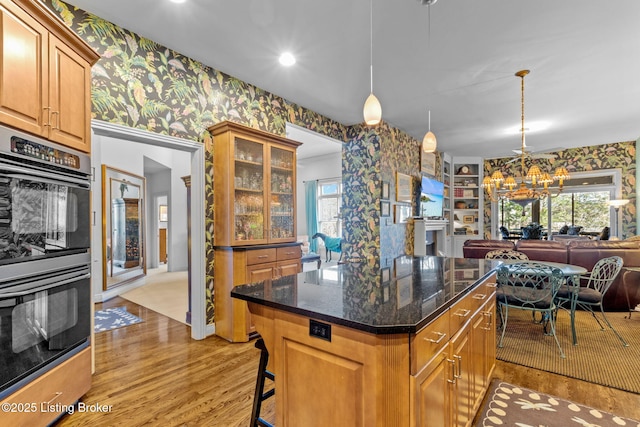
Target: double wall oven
{"type": "Point", "coordinates": [45, 289]}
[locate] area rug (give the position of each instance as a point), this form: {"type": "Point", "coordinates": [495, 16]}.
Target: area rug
{"type": "Point", "coordinates": [510, 405]}
{"type": "Point", "coordinates": [598, 358]}
{"type": "Point", "coordinates": [164, 293]}
{"type": "Point", "coordinates": [113, 318]}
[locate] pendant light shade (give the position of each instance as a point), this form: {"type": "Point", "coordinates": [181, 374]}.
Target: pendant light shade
{"type": "Point", "coordinates": [372, 110]}
{"type": "Point", "coordinates": [429, 142]}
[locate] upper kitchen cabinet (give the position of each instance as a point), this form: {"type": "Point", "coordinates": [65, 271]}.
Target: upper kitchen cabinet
{"type": "Point", "coordinates": [45, 75]}
{"type": "Point", "coordinates": [254, 178]}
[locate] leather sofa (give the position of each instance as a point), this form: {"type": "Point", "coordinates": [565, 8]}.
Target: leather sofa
{"type": "Point", "coordinates": [584, 253]}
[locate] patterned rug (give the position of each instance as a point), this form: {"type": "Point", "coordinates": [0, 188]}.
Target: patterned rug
{"type": "Point", "coordinates": [598, 358]}
{"type": "Point", "coordinates": [113, 318]}
{"type": "Point", "coordinates": [509, 405]}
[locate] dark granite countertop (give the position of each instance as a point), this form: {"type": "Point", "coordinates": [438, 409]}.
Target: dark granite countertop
{"type": "Point", "coordinates": [403, 297]}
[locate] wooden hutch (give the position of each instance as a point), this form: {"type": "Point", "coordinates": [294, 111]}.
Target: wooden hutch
{"type": "Point", "coordinates": [254, 186]}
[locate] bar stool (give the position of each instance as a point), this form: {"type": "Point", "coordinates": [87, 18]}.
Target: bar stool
{"type": "Point", "coordinates": [260, 395]}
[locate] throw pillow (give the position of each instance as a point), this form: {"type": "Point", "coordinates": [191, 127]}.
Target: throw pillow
{"type": "Point", "coordinates": [574, 230]}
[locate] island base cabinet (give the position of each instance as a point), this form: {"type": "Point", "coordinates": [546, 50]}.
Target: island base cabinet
{"type": "Point", "coordinates": [353, 379]}
{"type": "Point", "coordinates": [436, 377]}
{"type": "Point", "coordinates": [449, 389]}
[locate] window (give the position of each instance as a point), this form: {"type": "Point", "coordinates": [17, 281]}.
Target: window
{"type": "Point", "coordinates": [584, 202]}
{"type": "Point", "coordinates": [330, 207]}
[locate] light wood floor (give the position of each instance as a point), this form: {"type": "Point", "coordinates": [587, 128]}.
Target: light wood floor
{"type": "Point", "coordinates": [153, 373]}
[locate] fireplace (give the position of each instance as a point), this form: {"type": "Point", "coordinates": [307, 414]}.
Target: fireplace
{"type": "Point", "coordinates": [429, 237]}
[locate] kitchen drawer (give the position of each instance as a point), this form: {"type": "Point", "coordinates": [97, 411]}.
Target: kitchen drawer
{"type": "Point", "coordinates": [289, 252]}
{"type": "Point", "coordinates": [428, 341]}
{"type": "Point", "coordinates": [261, 256]}
{"type": "Point", "coordinates": [460, 313]}
{"type": "Point", "coordinates": [62, 386]}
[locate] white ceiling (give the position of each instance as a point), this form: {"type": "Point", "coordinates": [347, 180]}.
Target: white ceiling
{"type": "Point", "coordinates": [584, 57]}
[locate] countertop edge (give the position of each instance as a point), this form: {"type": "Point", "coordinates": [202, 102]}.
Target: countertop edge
{"type": "Point", "coordinates": [377, 330]}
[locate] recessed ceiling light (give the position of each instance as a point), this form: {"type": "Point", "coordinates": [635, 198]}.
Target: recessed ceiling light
{"type": "Point", "coordinates": [287, 59]}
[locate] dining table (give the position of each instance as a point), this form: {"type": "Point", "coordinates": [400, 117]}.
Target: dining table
{"type": "Point", "coordinates": [572, 275]}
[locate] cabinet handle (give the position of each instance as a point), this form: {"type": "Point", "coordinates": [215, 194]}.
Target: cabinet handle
{"type": "Point", "coordinates": [439, 340]}
{"type": "Point", "coordinates": [453, 367]}
{"type": "Point", "coordinates": [57, 395]}
{"type": "Point", "coordinates": [57, 114]}
{"type": "Point", "coordinates": [491, 285]}
{"type": "Point", "coordinates": [462, 312]}
{"type": "Point", "coordinates": [480, 296]}
{"type": "Point", "coordinates": [289, 253]}
{"type": "Point", "coordinates": [459, 364]}
{"type": "Point", "coordinates": [47, 114]}
{"type": "Point", "coordinates": [489, 321]}
{"type": "Point", "coordinates": [263, 256]}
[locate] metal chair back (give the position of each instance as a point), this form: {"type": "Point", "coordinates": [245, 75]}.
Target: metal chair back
{"type": "Point", "coordinates": [506, 254]}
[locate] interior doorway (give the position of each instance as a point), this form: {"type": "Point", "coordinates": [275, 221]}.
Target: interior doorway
{"type": "Point", "coordinates": [195, 160]}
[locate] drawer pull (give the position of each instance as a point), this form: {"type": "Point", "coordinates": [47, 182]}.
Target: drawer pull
{"type": "Point", "coordinates": [439, 340]}
{"type": "Point", "coordinates": [263, 256]}
{"type": "Point", "coordinates": [489, 321]}
{"type": "Point", "coordinates": [289, 253]}
{"type": "Point", "coordinates": [459, 364]}
{"type": "Point", "coordinates": [491, 285]}
{"type": "Point", "coordinates": [453, 366]}
{"type": "Point", "coordinates": [480, 296]}
{"type": "Point", "coordinates": [462, 312]}
{"type": "Point", "coordinates": [57, 395]}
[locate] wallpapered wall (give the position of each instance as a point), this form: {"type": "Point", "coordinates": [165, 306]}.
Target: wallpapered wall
{"type": "Point", "coordinates": [144, 85]}
{"type": "Point", "coordinates": [620, 155]}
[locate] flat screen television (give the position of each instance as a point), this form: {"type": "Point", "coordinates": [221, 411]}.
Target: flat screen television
{"type": "Point", "coordinates": [431, 197]}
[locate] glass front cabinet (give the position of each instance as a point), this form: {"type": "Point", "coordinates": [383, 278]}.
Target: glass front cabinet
{"type": "Point", "coordinates": [254, 186]}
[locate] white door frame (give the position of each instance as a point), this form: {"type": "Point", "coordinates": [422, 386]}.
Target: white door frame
{"type": "Point", "coordinates": [198, 276]}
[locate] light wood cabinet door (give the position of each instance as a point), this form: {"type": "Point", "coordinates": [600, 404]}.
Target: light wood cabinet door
{"type": "Point", "coordinates": [45, 85]}
{"type": "Point", "coordinates": [432, 394]}
{"type": "Point", "coordinates": [462, 389]}
{"type": "Point", "coordinates": [24, 56]}
{"type": "Point", "coordinates": [254, 178]}
{"type": "Point", "coordinates": [69, 100]}
{"type": "Point", "coordinates": [260, 272]}
{"type": "Point", "coordinates": [287, 268]}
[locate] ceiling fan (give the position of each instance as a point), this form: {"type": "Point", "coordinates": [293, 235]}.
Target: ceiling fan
{"type": "Point", "coordinates": [529, 152]}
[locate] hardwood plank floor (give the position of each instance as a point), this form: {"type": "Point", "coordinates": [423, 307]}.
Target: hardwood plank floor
{"type": "Point", "coordinates": [153, 373]}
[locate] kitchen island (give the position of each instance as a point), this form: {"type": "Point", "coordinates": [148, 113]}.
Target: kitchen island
{"type": "Point", "coordinates": [409, 344]}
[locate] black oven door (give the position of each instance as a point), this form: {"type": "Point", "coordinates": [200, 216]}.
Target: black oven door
{"type": "Point", "coordinates": [42, 318]}
{"type": "Point", "coordinates": [42, 214]}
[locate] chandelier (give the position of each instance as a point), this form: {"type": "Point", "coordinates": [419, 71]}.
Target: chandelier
{"type": "Point", "coordinates": [534, 183]}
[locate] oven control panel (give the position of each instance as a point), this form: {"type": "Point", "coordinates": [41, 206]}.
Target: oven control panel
{"type": "Point", "coordinates": [44, 153]}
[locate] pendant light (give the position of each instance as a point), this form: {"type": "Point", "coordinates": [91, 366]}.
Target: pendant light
{"type": "Point", "coordinates": [429, 142]}
{"type": "Point", "coordinates": [372, 109]}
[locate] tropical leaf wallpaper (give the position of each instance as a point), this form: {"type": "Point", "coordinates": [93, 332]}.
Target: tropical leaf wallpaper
{"type": "Point", "coordinates": [620, 155]}
{"type": "Point", "coordinates": [144, 85]}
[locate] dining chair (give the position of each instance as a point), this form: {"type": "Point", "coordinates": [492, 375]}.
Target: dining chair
{"type": "Point", "coordinates": [506, 254]}
{"type": "Point", "coordinates": [590, 296]}
{"type": "Point", "coordinates": [529, 286]}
